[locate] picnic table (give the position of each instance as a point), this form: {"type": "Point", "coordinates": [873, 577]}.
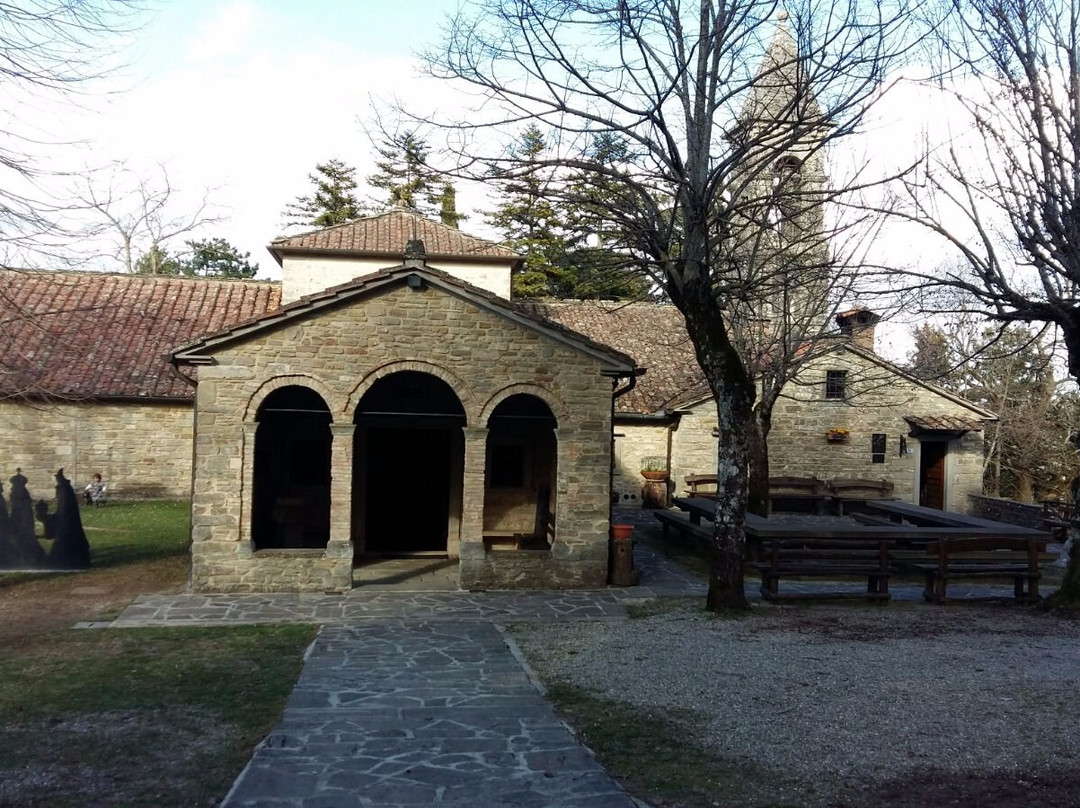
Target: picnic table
{"type": "Point", "coordinates": [938, 545]}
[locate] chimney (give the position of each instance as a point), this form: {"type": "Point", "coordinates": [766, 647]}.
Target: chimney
{"type": "Point", "coordinates": [858, 326]}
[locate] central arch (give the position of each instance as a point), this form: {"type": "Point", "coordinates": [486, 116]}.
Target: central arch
{"type": "Point", "coordinates": [408, 466]}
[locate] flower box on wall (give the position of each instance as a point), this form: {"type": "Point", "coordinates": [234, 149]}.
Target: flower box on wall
{"type": "Point", "coordinates": [837, 435]}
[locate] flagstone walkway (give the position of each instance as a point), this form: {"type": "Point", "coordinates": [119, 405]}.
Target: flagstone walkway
{"type": "Point", "coordinates": [395, 713]}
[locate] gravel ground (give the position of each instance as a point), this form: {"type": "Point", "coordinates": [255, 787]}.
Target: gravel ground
{"type": "Point", "coordinates": [852, 700]}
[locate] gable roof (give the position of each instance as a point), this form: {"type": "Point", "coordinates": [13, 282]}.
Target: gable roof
{"type": "Point", "coordinates": [386, 234]}
{"type": "Point", "coordinates": [196, 352]}
{"type": "Point", "coordinates": [99, 335]}
{"type": "Point", "coordinates": [655, 335]}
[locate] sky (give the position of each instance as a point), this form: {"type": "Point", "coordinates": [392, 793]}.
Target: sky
{"type": "Point", "coordinates": [237, 101]}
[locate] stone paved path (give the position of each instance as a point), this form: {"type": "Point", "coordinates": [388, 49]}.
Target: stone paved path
{"type": "Point", "coordinates": [401, 714]}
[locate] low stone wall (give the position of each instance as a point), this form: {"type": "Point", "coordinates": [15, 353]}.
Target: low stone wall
{"type": "Point", "coordinates": [1009, 511]}
{"type": "Point", "coordinates": [577, 567]}
{"type": "Point", "coordinates": [143, 450]}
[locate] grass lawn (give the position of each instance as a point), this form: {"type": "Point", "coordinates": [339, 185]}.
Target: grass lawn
{"type": "Point", "coordinates": [148, 717]}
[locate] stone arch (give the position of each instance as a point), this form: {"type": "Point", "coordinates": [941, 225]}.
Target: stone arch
{"type": "Point", "coordinates": [456, 383]}
{"type": "Point", "coordinates": [555, 404]}
{"type": "Point", "coordinates": [291, 470]}
{"type": "Point", "coordinates": [332, 399]}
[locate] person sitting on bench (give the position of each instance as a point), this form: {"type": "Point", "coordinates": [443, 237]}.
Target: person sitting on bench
{"type": "Point", "coordinates": [94, 493]}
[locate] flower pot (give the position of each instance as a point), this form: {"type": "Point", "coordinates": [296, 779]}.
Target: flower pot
{"type": "Point", "coordinates": [655, 476]}
{"type": "Point", "coordinates": [622, 531]}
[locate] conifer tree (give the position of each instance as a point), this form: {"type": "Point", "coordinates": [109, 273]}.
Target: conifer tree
{"type": "Point", "coordinates": [404, 174]}
{"type": "Point", "coordinates": [333, 201]}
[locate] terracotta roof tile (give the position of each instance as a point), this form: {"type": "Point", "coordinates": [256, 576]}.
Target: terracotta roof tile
{"type": "Point", "coordinates": [387, 234]}
{"type": "Point", "coordinates": [943, 423]}
{"type": "Point", "coordinates": [655, 336]}
{"type": "Point", "coordinates": [90, 334]}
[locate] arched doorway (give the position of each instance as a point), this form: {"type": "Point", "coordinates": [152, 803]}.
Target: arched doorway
{"type": "Point", "coordinates": [291, 479]}
{"type": "Point", "coordinates": [408, 466]}
{"type": "Point", "coordinates": [521, 474]}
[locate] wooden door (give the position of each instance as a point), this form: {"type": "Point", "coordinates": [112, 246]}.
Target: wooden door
{"type": "Point", "coordinates": [932, 474]}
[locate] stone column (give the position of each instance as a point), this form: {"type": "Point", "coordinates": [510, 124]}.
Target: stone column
{"type": "Point", "coordinates": [247, 484]}
{"type": "Point", "coordinates": [341, 467]}
{"type": "Point", "coordinates": [472, 495]}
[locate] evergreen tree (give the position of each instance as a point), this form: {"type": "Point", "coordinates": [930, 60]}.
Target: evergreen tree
{"type": "Point", "coordinates": [334, 200]}
{"type": "Point", "coordinates": [217, 258]}
{"type": "Point", "coordinates": [930, 359]}
{"type": "Point", "coordinates": [158, 261]}
{"type": "Point", "coordinates": [404, 174]}
{"type": "Point", "coordinates": [559, 228]}
{"type": "Point", "coordinates": [448, 213]}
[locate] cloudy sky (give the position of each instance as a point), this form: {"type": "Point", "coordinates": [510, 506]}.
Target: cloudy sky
{"type": "Point", "coordinates": [239, 100]}
{"type": "Point", "coordinates": [243, 98]}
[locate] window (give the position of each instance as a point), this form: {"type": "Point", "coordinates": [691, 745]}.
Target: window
{"type": "Point", "coordinates": [877, 447]}
{"type": "Point", "coordinates": [834, 384]}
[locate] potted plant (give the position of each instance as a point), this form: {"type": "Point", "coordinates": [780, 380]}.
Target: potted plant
{"type": "Point", "coordinates": [654, 468]}
{"type": "Point", "coordinates": [837, 434]}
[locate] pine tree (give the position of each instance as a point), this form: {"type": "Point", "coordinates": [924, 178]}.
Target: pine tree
{"type": "Point", "coordinates": [334, 200]}
{"type": "Point", "coordinates": [217, 258]}
{"type": "Point", "coordinates": [448, 213]}
{"type": "Point", "coordinates": [930, 359]}
{"type": "Point", "coordinates": [404, 174]}
{"type": "Point", "coordinates": [158, 261]}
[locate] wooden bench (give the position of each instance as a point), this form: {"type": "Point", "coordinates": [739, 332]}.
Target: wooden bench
{"type": "Point", "coordinates": [701, 485]}
{"type": "Point", "coordinates": [823, 558]}
{"type": "Point", "coordinates": [699, 535]}
{"type": "Point", "coordinates": [870, 519]}
{"type": "Point", "coordinates": [978, 559]}
{"type": "Point", "coordinates": [808, 490]}
{"type": "Point", "coordinates": [541, 538]}
{"type": "Point", "coordinates": [854, 489]}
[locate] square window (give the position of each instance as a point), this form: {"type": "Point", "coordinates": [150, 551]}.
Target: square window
{"type": "Point", "coordinates": [834, 384]}
{"type": "Point", "coordinates": [878, 443]}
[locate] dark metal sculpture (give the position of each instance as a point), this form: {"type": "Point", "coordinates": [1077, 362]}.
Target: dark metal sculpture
{"type": "Point", "coordinates": [70, 548]}
{"type": "Point", "coordinates": [20, 547]}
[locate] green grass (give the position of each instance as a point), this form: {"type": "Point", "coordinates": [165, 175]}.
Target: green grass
{"type": "Point", "coordinates": [161, 717]}
{"type": "Point", "coordinates": [128, 532]}
{"type": "Point", "coordinates": [654, 754]}
{"type": "Point", "coordinates": [148, 717]}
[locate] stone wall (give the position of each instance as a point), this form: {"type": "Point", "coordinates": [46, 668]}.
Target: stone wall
{"type": "Point", "coordinates": [305, 275]}
{"type": "Point", "coordinates": [1009, 511]}
{"type": "Point", "coordinates": [877, 401]}
{"type": "Point", "coordinates": [340, 353]}
{"type": "Point", "coordinates": [142, 450]}
{"type": "Point", "coordinates": [634, 441]}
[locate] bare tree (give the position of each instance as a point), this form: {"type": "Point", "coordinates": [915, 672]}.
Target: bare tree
{"type": "Point", "coordinates": [49, 50]}
{"type": "Point", "coordinates": [139, 214]}
{"type": "Point", "coordinates": [709, 98]}
{"type": "Point", "coordinates": [1006, 197]}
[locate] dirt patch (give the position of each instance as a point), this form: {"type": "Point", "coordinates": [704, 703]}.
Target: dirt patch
{"type": "Point", "coordinates": [43, 603]}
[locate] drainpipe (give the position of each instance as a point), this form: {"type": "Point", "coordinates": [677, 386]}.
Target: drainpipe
{"type": "Point", "coordinates": [175, 369]}
{"type": "Point", "coordinates": [616, 392]}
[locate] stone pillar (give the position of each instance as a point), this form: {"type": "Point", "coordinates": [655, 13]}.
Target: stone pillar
{"type": "Point", "coordinates": [247, 503]}
{"type": "Point", "coordinates": [341, 467]}
{"type": "Point", "coordinates": [472, 494]}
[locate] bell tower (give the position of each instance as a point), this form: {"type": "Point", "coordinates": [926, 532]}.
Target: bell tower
{"type": "Point", "coordinates": [777, 193]}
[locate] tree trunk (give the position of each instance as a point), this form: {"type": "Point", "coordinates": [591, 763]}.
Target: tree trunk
{"type": "Point", "coordinates": [1069, 593]}
{"type": "Point", "coordinates": [757, 501]}
{"type": "Point", "coordinates": [734, 392]}
{"type": "Point", "coordinates": [1025, 486]}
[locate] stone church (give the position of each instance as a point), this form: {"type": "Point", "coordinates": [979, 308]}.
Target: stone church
{"type": "Point", "coordinates": [389, 397]}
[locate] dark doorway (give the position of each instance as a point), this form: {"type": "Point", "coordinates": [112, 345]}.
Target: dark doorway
{"type": "Point", "coordinates": [932, 474]}
{"type": "Point", "coordinates": [291, 480]}
{"type": "Point", "coordinates": [408, 466]}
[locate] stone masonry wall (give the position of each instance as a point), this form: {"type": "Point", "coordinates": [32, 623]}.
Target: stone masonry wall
{"type": "Point", "coordinates": [339, 353]}
{"type": "Point", "coordinates": [142, 450]}
{"type": "Point", "coordinates": [1024, 514]}
{"type": "Point", "coordinates": [877, 402]}
{"type": "Point", "coordinates": [632, 443]}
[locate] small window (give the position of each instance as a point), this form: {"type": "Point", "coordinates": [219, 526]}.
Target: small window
{"type": "Point", "coordinates": [835, 384]}
{"type": "Point", "coordinates": [877, 447]}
